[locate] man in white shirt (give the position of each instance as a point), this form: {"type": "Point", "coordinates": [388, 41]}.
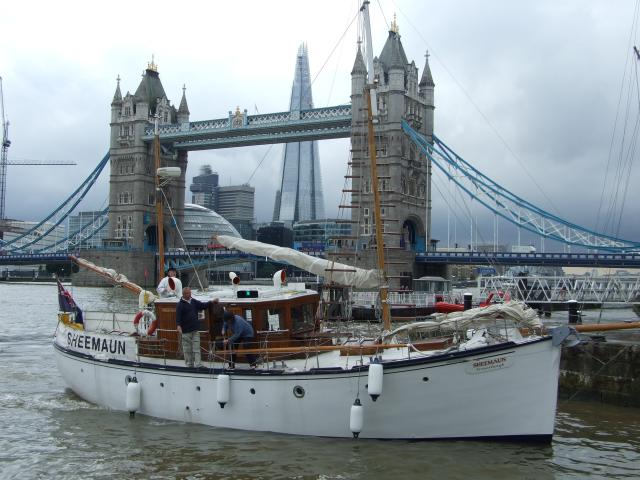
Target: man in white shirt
{"type": "Point", "coordinates": [170, 286]}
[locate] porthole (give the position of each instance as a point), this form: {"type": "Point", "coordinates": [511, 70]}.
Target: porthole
{"type": "Point", "coordinates": [198, 388]}
{"type": "Point", "coordinates": [161, 384]}
{"type": "Point", "coordinates": [298, 391]}
{"type": "Point", "coordinates": [253, 391]}
{"type": "Point", "coordinates": [425, 379]}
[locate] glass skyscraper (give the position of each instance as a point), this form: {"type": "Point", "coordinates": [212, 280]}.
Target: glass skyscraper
{"type": "Point", "coordinates": [203, 188]}
{"type": "Point", "coordinates": [300, 194]}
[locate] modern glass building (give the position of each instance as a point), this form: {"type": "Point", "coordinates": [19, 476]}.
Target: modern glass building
{"type": "Point", "coordinates": [203, 188]}
{"type": "Point", "coordinates": [320, 235]}
{"type": "Point", "coordinates": [82, 224]}
{"type": "Point", "coordinates": [50, 242]}
{"type": "Point", "coordinates": [300, 195]}
{"type": "Point", "coordinates": [236, 204]}
{"type": "Point", "coordinates": [200, 224]}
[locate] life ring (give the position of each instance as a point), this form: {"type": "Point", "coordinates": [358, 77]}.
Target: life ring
{"type": "Point", "coordinates": [150, 324]}
{"type": "Point", "coordinates": [152, 327]}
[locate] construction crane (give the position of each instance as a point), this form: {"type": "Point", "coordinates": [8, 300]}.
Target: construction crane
{"type": "Point", "coordinates": [6, 143]}
{"type": "Point", "coordinates": [5, 148]}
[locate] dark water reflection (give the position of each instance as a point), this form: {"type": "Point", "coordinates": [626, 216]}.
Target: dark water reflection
{"type": "Point", "coordinates": [47, 432]}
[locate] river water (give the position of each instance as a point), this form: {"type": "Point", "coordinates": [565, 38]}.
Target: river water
{"type": "Point", "coordinates": [48, 432]}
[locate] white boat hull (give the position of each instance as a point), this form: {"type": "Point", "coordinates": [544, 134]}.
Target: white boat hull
{"type": "Point", "coordinates": [493, 392]}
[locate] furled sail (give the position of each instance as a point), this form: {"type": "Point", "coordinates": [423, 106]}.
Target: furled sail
{"type": "Point", "coordinates": [332, 271]}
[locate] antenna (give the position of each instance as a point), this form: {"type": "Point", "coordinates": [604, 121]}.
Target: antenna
{"type": "Point", "coordinates": [368, 47]}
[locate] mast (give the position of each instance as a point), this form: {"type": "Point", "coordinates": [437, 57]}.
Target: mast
{"type": "Point", "coordinates": [159, 209]}
{"type": "Point", "coordinates": [371, 103]}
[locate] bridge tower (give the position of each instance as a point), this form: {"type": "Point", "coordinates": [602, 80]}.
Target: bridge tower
{"type": "Point", "coordinates": [132, 219]}
{"type": "Point", "coordinates": [404, 173]}
{"type": "Point", "coordinates": [132, 181]}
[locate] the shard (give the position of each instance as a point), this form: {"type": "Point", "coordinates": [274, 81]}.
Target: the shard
{"type": "Point", "coordinates": [300, 194]}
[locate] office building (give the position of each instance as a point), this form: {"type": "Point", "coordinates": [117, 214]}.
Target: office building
{"type": "Point", "coordinates": [203, 188]}
{"type": "Point", "coordinates": [300, 194]}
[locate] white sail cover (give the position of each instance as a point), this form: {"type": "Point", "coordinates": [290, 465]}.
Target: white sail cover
{"type": "Point", "coordinates": [332, 271]}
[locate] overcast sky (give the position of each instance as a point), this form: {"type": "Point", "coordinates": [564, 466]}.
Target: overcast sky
{"type": "Point", "coordinates": [528, 92]}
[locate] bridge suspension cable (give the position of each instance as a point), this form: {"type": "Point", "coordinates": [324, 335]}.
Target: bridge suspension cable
{"type": "Point", "coordinates": [60, 214]}
{"type": "Point", "coordinates": [510, 206]}
{"type": "Point", "coordinates": [85, 232]}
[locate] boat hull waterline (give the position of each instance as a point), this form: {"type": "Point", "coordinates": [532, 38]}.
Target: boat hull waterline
{"type": "Point", "coordinates": [502, 391]}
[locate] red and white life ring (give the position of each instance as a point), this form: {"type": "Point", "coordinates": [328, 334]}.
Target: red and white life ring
{"type": "Point", "coordinates": [148, 326]}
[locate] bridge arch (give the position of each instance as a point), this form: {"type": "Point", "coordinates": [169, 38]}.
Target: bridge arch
{"type": "Point", "coordinates": [413, 234]}
{"type": "Point", "coordinates": [151, 238]}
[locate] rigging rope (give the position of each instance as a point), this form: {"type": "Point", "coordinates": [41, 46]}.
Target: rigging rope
{"type": "Point", "coordinates": [535, 219]}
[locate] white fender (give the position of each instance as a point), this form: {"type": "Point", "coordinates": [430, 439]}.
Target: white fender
{"type": "Point", "coordinates": [222, 389]}
{"type": "Point", "coordinates": [356, 418]}
{"type": "Point", "coordinates": [235, 279]}
{"type": "Point", "coordinates": [374, 381]}
{"type": "Point", "coordinates": [133, 396]}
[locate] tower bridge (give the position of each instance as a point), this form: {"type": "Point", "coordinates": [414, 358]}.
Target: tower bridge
{"type": "Point", "coordinates": [406, 151]}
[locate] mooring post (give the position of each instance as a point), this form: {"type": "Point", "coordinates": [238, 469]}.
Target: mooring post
{"type": "Point", "coordinates": [572, 306]}
{"type": "Point", "coordinates": [467, 301]}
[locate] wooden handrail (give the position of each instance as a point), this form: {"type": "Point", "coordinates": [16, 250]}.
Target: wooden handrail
{"type": "Point", "coordinates": [603, 327]}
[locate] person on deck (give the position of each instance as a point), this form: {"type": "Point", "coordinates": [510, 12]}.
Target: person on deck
{"type": "Point", "coordinates": [170, 286]}
{"type": "Point", "coordinates": [242, 333]}
{"type": "Point", "coordinates": [188, 326]}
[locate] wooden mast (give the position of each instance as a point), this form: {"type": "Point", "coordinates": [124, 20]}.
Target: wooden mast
{"type": "Point", "coordinates": [384, 289]}
{"type": "Point", "coordinates": [372, 110]}
{"type": "Point", "coordinates": [159, 209]}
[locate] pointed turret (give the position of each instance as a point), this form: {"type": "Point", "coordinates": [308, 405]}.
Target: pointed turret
{"type": "Point", "coordinates": [150, 89]}
{"type": "Point", "coordinates": [117, 97]}
{"type": "Point", "coordinates": [183, 109]}
{"type": "Point", "coordinates": [359, 68]}
{"type": "Point", "coordinates": [427, 79]}
{"type": "Point", "coordinates": [398, 58]}
{"type": "Point", "coordinates": [393, 52]}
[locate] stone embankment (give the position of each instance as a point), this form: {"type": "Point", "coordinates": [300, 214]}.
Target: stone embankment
{"type": "Point", "coordinates": [603, 368]}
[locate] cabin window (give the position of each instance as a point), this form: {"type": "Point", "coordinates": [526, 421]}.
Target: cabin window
{"type": "Point", "coordinates": [302, 317]}
{"type": "Point", "coordinates": [274, 315]}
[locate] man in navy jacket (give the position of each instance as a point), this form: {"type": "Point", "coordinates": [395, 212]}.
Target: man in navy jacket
{"type": "Point", "coordinates": [242, 333]}
{"type": "Point", "coordinates": [188, 325]}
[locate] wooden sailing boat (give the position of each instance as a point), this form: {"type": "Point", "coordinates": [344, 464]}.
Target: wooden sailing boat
{"type": "Point", "coordinates": [310, 383]}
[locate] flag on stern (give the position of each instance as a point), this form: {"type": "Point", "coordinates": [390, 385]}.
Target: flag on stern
{"type": "Point", "coordinates": [67, 303]}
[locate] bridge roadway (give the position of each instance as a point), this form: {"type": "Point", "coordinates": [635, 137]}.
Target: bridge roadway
{"type": "Point", "coordinates": [240, 129]}
{"type": "Point", "coordinates": [224, 257]}
{"type": "Point", "coordinates": [614, 260]}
